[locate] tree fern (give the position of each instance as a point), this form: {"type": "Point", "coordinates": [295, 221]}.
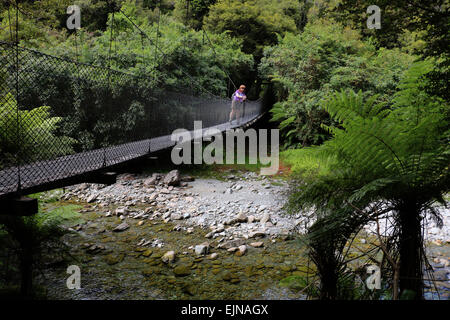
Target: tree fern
{"type": "Point", "coordinates": [29, 135]}
{"type": "Point", "coordinates": [397, 156]}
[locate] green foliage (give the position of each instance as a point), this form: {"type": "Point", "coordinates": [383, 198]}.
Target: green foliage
{"type": "Point", "coordinates": [399, 149]}
{"type": "Point", "coordinates": [394, 157]}
{"type": "Point", "coordinates": [94, 13]}
{"type": "Point", "coordinates": [31, 134]}
{"type": "Point", "coordinates": [256, 23]}
{"type": "Point", "coordinates": [191, 12]}
{"type": "Point", "coordinates": [66, 215]}
{"type": "Point", "coordinates": [23, 240]}
{"type": "Point", "coordinates": [413, 15]}
{"type": "Point", "coordinates": [48, 196]}
{"type": "Point", "coordinates": [34, 229]}
{"type": "Point", "coordinates": [31, 33]}
{"type": "Point", "coordinates": [324, 58]}
{"type": "Point", "coordinates": [300, 283]}
{"type": "Point", "coordinates": [180, 52]}
{"type": "Point", "coordinates": [304, 161]}
{"type": "Point", "coordinates": [184, 49]}
{"type": "Point", "coordinates": [428, 20]}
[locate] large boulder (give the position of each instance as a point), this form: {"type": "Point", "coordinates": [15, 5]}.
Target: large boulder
{"type": "Point", "coordinates": [153, 180]}
{"type": "Point", "coordinates": [172, 178]}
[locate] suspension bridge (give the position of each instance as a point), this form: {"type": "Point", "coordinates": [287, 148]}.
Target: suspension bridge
{"type": "Point", "coordinates": [64, 122]}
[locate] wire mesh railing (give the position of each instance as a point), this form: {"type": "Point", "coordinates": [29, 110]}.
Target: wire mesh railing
{"type": "Point", "coordinates": [60, 118]}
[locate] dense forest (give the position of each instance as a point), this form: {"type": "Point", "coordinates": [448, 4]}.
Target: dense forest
{"type": "Point", "coordinates": [363, 112]}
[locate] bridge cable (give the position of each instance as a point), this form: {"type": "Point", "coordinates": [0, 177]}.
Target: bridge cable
{"type": "Point", "coordinates": [19, 182]}
{"type": "Point", "coordinates": [215, 55]}
{"type": "Point", "coordinates": [10, 26]}
{"type": "Point", "coordinates": [76, 47]}
{"type": "Point", "coordinates": [155, 62]}
{"type": "Point", "coordinates": [186, 26]}
{"type": "Point", "coordinates": [157, 32]}
{"type": "Point", "coordinates": [15, 4]}
{"type": "Point", "coordinates": [165, 56]}
{"type": "Point", "coordinates": [109, 70]}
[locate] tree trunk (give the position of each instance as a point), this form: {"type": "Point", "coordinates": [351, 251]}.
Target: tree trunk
{"type": "Point", "coordinates": [26, 269]}
{"type": "Point", "coordinates": [329, 284]}
{"type": "Point", "coordinates": [24, 236]}
{"type": "Point", "coordinates": [410, 249]}
{"type": "Point", "coordinates": [323, 255]}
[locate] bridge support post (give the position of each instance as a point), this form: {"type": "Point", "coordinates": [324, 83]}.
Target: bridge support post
{"type": "Point", "coordinates": [11, 216]}
{"type": "Point", "coordinates": [19, 206]}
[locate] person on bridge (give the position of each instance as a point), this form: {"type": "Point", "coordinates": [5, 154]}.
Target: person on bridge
{"type": "Point", "coordinates": [237, 103]}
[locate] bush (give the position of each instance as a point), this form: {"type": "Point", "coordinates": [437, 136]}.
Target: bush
{"type": "Point", "coordinates": [29, 135]}
{"type": "Point", "coordinates": [306, 68]}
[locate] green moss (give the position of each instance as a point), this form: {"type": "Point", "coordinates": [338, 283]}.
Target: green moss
{"type": "Point", "coordinates": [66, 215]}
{"type": "Point", "coordinates": [48, 196]}
{"type": "Point", "coordinates": [294, 282]}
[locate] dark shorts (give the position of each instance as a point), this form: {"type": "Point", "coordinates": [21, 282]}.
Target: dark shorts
{"type": "Point", "coordinates": [236, 105]}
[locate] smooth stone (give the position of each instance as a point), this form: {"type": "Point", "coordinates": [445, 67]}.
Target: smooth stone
{"type": "Point", "coordinates": [241, 217]}
{"type": "Point", "coordinates": [182, 270]}
{"type": "Point", "coordinates": [147, 253]}
{"type": "Point", "coordinates": [175, 216]}
{"type": "Point", "coordinates": [242, 250]}
{"type": "Point", "coordinates": [201, 249]}
{"type": "Point", "coordinates": [265, 218]}
{"type": "Point", "coordinates": [255, 234]}
{"type": "Point", "coordinates": [213, 256]}
{"type": "Point", "coordinates": [168, 257]}
{"type": "Point", "coordinates": [258, 244]}
{"type": "Point", "coordinates": [112, 259]}
{"type": "Point", "coordinates": [120, 211]}
{"type": "Point", "coordinates": [121, 227]}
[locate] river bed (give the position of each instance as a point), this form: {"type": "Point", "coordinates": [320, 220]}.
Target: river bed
{"type": "Point", "coordinates": [156, 219]}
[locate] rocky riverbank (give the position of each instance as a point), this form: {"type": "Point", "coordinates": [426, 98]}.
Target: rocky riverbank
{"type": "Point", "coordinates": [242, 206]}
{"type": "Point", "coordinates": [167, 236]}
